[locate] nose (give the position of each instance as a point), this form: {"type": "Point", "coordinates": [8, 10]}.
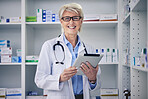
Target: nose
{"type": "Point", "coordinates": [71, 20]}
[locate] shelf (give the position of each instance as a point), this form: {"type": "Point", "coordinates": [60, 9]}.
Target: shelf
{"type": "Point", "coordinates": [10, 25]}
{"type": "Point", "coordinates": [1, 64]}
{"type": "Point", "coordinates": [139, 5]}
{"type": "Point", "coordinates": [99, 63]}
{"type": "Point", "coordinates": [89, 22]}
{"type": "Point", "coordinates": [126, 19]}
{"type": "Point", "coordinates": [140, 68]}
{"type": "Point", "coordinates": [92, 23]}
{"type": "Point", "coordinates": [109, 63]}
{"type": "Point", "coordinates": [31, 63]}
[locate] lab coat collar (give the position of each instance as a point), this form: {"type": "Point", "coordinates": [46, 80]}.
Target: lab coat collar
{"type": "Point", "coordinates": [81, 47]}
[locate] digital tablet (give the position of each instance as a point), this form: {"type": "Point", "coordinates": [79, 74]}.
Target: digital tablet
{"type": "Point", "coordinates": [93, 59]}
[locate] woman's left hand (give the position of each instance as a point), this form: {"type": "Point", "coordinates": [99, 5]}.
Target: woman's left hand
{"type": "Point", "coordinates": [89, 71]}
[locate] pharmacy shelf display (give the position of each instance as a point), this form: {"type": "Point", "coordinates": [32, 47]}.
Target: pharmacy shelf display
{"type": "Point", "coordinates": [29, 37]}
{"type": "Point", "coordinates": [134, 45]}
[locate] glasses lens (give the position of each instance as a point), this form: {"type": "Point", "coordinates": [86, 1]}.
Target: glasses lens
{"type": "Point", "coordinates": [66, 18]}
{"type": "Point", "coordinates": [74, 18]}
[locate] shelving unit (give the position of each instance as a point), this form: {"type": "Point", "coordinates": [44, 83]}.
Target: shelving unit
{"type": "Point", "coordinates": [29, 36]}
{"type": "Point", "coordinates": [134, 33]}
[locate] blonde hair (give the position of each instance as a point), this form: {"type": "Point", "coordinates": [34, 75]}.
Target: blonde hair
{"type": "Point", "coordinates": [72, 7]}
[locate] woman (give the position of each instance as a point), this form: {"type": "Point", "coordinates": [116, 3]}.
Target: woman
{"type": "Point", "coordinates": [55, 71]}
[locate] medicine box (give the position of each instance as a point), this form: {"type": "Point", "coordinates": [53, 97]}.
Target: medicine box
{"type": "Point", "coordinates": [18, 52]}
{"type": "Point", "coordinates": [13, 97]}
{"type": "Point", "coordinates": [44, 16]}
{"type": "Point", "coordinates": [2, 93]}
{"type": "Point", "coordinates": [15, 19]}
{"type": "Point", "coordinates": [4, 43]}
{"type": "Point", "coordinates": [5, 58]}
{"type": "Point", "coordinates": [13, 92]}
{"type": "Point", "coordinates": [16, 59]}
{"type": "Point", "coordinates": [109, 92]}
{"type": "Point", "coordinates": [6, 51]}
{"type": "Point", "coordinates": [108, 17]}
{"type": "Point", "coordinates": [39, 15]}
{"type": "Point", "coordinates": [36, 97]}
{"type": "Point", "coordinates": [32, 58]}
{"type": "Point", "coordinates": [48, 15]}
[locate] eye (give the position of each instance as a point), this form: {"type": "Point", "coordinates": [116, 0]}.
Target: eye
{"type": "Point", "coordinates": [66, 18]}
{"type": "Point", "coordinates": [76, 18]}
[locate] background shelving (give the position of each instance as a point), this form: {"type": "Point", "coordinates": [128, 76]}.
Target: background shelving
{"type": "Point", "coordinates": [134, 31]}
{"type": "Point", "coordinates": [29, 36]}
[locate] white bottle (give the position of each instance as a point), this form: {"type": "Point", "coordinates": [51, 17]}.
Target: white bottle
{"type": "Point", "coordinates": [108, 55]}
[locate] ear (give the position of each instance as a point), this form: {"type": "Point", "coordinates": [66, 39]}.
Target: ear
{"type": "Point", "coordinates": [61, 20]}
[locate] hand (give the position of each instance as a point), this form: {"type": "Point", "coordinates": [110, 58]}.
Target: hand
{"type": "Point", "coordinates": [89, 71]}
{"type": "Point", "coordinates": [68, 73]}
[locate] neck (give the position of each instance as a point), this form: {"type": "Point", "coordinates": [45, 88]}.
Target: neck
{"type": "Point", "coordinates": [72, 39]}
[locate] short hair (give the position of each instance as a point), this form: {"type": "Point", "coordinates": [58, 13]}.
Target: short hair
{"type": "Point", "coordinates": [72, 7]}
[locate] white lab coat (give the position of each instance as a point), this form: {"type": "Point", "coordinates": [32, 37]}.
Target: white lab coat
{"type": "Point", "coordinates": [48, 72]}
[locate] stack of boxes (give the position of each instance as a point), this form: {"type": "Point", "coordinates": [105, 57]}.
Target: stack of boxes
{"type": "Point", "coordinates": [109, 93]}
{"type": "Point", "coordinates": [109, 55]}
{"type": "Point", "coordinates": [2, 93]}
{"type": "Point", "coordinates": [44, 15]}
{"type": "Point", "coordinates": [10, 19]}
{"type": "Point", "coordinates": [6, 53]}
{"type": "Point", "coordinates": [10, 93]}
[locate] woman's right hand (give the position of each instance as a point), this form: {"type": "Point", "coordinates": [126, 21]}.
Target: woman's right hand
{"type": "Point", "coordinates": [68, 73]}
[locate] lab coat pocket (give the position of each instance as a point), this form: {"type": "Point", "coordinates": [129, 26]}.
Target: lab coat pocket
{"type": "Point", "coordinates": [57, 68]}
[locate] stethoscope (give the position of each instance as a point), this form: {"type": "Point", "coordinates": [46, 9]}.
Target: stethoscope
{"type": "Point", "coordinates": [58, 44]}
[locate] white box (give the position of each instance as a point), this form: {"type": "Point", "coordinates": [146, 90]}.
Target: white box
{"type": "Point", "coordinates": [109, 92]}
{"type": "Point", "coordinates": [108, 17]}
{"type": "Point", "coordinates": [18, 52]}
{"type": "Point", "coordinates": [5, 58]}
{"type": "Point", "coordinates": [39, 15]}
{"type": "Point", "coordinates": [48, 15]}
{"type": "Point", "coordinates": [4, 43]}
{"type": "Point", "coordinates": [15, 19]}
{"type": "Point", "coordinates": [91, 17]}
{"type": "Point", "coordinates": [6, 51]}
{"type": "Point", "coordinates": [109, 97]}
{"type": "Point", "coordinates": [13, 97]}
{"type": "Point", "coordinates": [36, 97]}
{"type": "Point", "coordinates": [2, 93]}
{"type": "Point", "coordinates": [13, 92]}
{"type": "Point", "coordinates": [32, 58]}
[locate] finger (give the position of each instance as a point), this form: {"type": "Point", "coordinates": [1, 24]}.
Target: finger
{"type": "Point", "coordinates": [84, 67]}
{"type": "Point", "coordinates": [97, 67]}
{"type": "Point", "coordinates": [82, 70]}
{"type": "Point", "coordinates": [89, 65]}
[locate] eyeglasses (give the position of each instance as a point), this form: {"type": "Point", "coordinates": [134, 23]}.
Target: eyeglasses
{"type": "Point", "coordinates": [68, 18]}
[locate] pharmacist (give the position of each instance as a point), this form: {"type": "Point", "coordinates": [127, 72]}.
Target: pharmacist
{"type": "Point", "coordinates": [55, 71]}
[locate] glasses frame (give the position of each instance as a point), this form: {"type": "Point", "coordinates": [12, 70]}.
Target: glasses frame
{"type": "Point", "coordinates": [71, 18]}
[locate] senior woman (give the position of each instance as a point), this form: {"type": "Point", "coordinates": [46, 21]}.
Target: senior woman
{"type": "Point", "coordinates": [55, 71]}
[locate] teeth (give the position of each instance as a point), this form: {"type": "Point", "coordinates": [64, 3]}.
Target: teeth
{"type": "Point", "coordinates": [71, 27]}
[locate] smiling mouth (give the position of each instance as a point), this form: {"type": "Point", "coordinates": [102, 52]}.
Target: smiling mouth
{"type": "Point", "coordinates": [71, 27]}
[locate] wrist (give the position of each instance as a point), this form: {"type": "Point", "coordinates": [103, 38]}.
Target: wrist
{"type": "Point", "coordinates": [92, 81]}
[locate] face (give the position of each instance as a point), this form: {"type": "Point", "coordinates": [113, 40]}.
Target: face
{"type": "Point", "coordinates": [71, 27]}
